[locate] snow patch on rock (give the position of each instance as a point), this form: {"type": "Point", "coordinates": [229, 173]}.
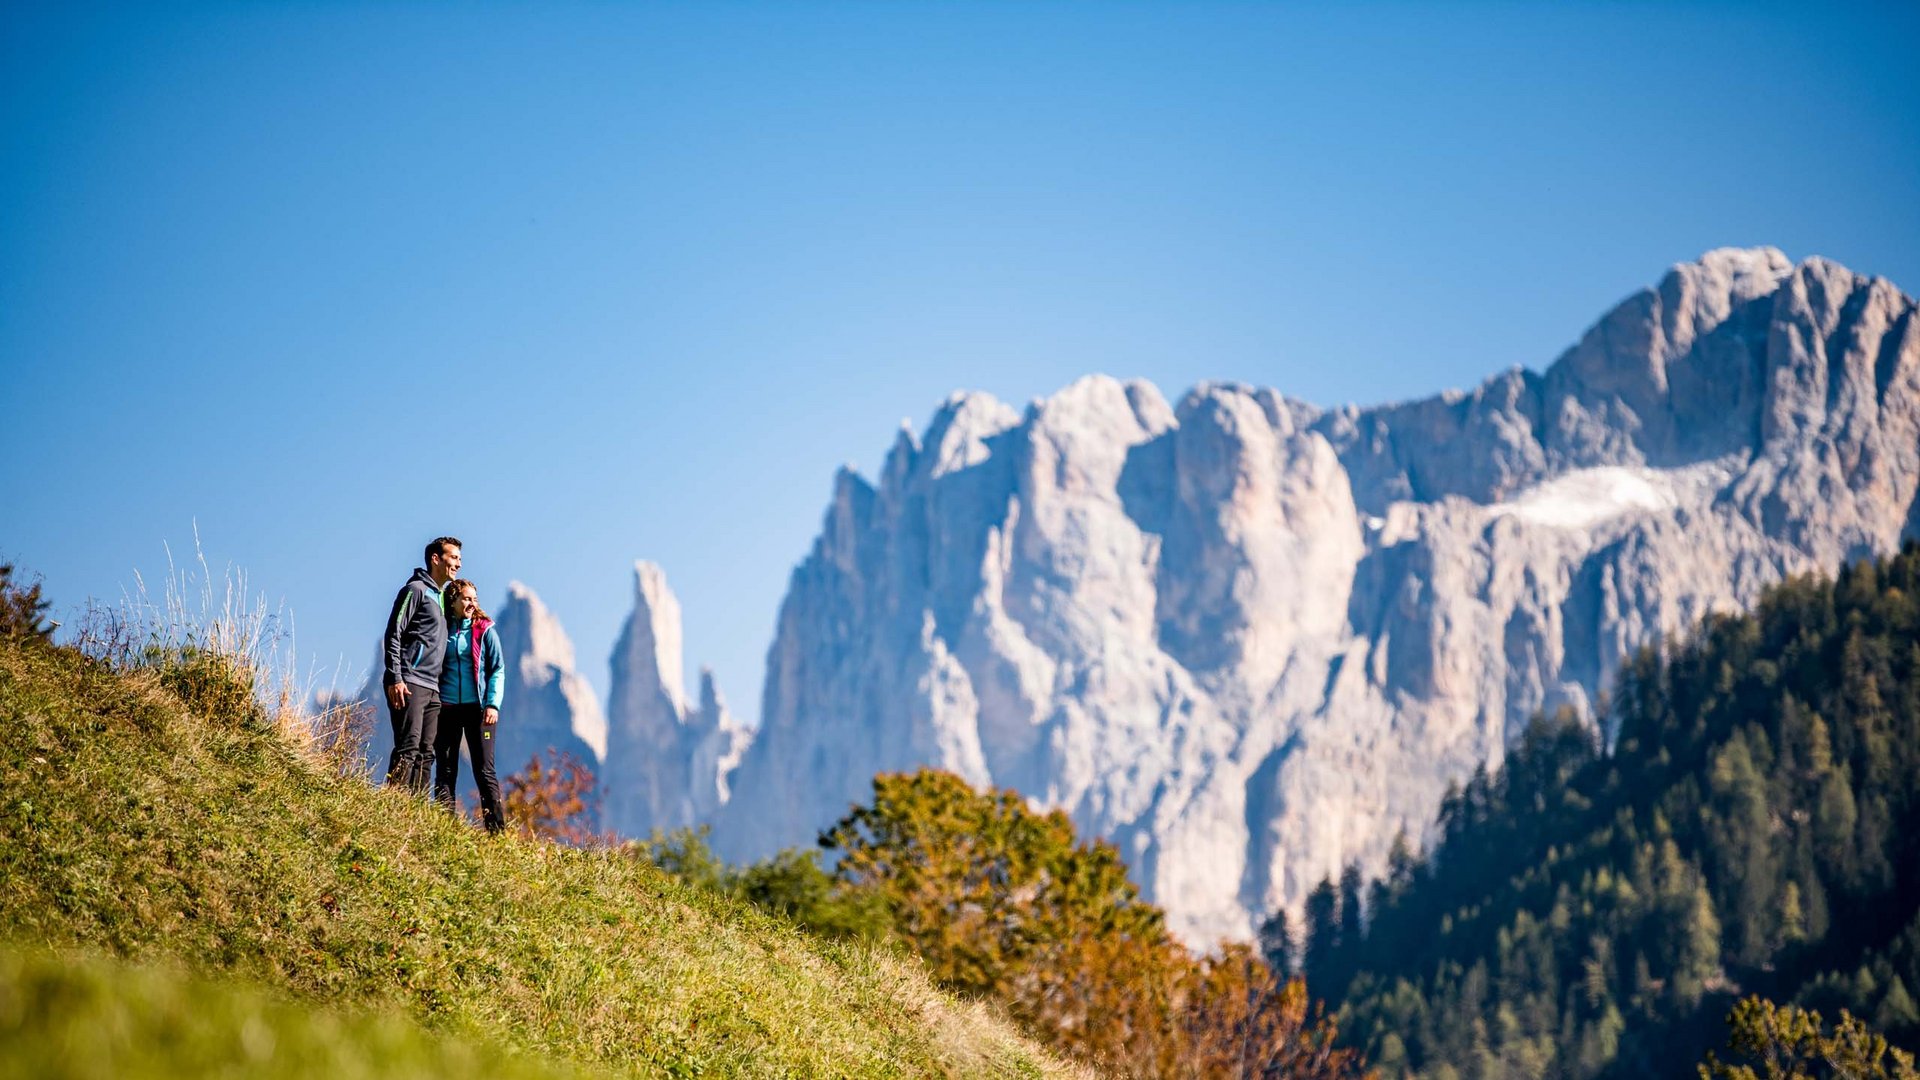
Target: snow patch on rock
{"type": "Point", "coordinates": [1584, 498]}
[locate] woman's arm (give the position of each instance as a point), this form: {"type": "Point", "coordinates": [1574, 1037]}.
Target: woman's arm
{"type": "Point", "coordinates": [495, 665]}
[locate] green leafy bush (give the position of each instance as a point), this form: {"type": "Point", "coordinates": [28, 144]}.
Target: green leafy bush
{"type": "Point", "coordinates": [1790, 1043]}
{"type": "Point", "coordinates": [791, 884]}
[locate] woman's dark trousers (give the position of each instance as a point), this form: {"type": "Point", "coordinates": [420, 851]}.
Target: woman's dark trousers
{"type": "Point", "coordinates": [467, 722]}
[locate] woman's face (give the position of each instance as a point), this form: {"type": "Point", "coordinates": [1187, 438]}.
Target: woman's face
{"type": "Point", "coordinates": [468, 604]}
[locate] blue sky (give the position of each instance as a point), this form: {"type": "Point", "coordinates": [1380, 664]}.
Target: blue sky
{"type": "Point", "coordinates": [586, 283]}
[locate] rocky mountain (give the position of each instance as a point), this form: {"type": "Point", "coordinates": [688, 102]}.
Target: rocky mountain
{"type": "Point", "coordinates": [550, 705]}
{"type": "Point", "coordinates": [1246, 639]}
{"type": "Point", "coordinates": [668, 760]}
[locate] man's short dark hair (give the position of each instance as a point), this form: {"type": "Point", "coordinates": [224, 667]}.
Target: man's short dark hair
{"type": "Point", "coordinates": [440, 545]}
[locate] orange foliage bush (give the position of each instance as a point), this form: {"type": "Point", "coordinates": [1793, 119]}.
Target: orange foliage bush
{"type": "Point", "coordinates": [555, 797]}
{"type": "Point", "coordinates": [1005, 902]}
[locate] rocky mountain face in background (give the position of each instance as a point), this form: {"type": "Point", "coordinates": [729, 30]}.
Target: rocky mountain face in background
{"type": "Point", "coordinates": [668, 760]}
{"type": "Point", "coordinates": [551, 704]}
{"type": "Point", "coordinates": [1248, 640]}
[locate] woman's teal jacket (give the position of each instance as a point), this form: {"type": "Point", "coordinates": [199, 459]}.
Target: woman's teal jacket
{"type": "Point", "coordinates": [475, 671]}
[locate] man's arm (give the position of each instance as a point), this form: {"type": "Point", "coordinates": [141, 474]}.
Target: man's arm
{"type": "Point", "coordinates": [391, 647]}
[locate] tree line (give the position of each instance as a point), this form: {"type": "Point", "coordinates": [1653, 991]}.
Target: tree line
{"type": "Point", "coordinates": [1594, 907]}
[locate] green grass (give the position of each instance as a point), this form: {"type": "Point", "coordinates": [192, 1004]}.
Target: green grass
{"type": "Point", "coordinates": [84, 1016]}
{"type": "Point", "coordinates": [197, 848]}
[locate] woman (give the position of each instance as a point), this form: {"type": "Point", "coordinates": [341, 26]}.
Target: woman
{"type": "Point", "coordinates": [471, 682]}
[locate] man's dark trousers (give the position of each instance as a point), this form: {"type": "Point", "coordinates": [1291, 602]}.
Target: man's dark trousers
{"type": "Point", "coordinates": [414, 726]}
{"type": "Point", "coordinates": [469, 720]}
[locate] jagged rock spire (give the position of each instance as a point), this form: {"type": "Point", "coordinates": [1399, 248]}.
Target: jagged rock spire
{"type": "Point", "coordinates": [667, 762]}
{"type": "Point", "coordinates": [547, 704]}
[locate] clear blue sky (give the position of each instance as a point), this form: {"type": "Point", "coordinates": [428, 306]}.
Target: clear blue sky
{"type": "Point", "coordinates": [589, 283]}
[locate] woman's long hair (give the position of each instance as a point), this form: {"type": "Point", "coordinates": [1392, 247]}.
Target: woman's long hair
{"type": "Point", "coordinates": [452, 593]}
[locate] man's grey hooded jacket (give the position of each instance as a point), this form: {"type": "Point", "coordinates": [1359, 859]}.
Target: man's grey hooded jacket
{"type": "Point", "coordinates": [416, 638]}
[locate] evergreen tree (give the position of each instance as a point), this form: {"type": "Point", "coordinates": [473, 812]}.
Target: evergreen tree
{"type": "Point", "coordinates": [1791, 1044]}
{"type": "Point", "coordinates": [1897, 1011]}
{"type": "Point", "coordinates": [1585, 912]}
{"type": "Point", "coordinates": [1276, 943]}
{"type": "Point", "coordinates": [1320, 958]}
{"type": "Point", "coordinates": [1353, 932]}
{"type": "Point", "coordinates": [1739, 835]}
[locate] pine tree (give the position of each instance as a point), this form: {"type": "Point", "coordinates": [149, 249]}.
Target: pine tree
{"type": "Point", "coordinates": [1320, 958]}
{"type": "Point", "coordinates": [1276, 943]}
{"type": "Point", "coordinates": [1353, 932]}
{"type": "Point", "coordinates": [1790, 1043]}
{"type": "Point", "coordinates": [1897, 1011]}
{"type": "Point", "coordinates": [1739, 828]}
{"type": "Point", "coordinates": [1793, 916]}
{"type": "Point", "coordinates": [1835, 821]}
{"type": "Point", "coordinates": [1749, 825]}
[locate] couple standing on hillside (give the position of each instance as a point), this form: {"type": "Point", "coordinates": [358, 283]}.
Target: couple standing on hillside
{"type": "Point", "coordinates": [444, 678]}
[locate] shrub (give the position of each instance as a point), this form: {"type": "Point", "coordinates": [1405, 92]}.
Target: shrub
{"type": "Point", "coordinates": [22, 610]}
{"type": "Point", "coordinates": [554, 798]}
{"type": "Point", "coordinates": [1003, 901]}
{"type": "Point", "coordinates": [217, 687]}
{"type": "Point", "coordinates": [792, 884]}
{"type": "Point", "coordinates": [1790, 1043]}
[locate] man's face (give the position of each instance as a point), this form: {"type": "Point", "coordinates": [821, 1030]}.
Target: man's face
{"type": "Point", "coordinates": [445, 566]}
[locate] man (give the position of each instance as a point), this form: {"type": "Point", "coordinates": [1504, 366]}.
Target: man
{"type": "Point", "coordinates": [415, 646]}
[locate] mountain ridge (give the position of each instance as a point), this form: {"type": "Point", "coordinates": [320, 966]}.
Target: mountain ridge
{"type": "Point", "coordinates": [1242, 634]}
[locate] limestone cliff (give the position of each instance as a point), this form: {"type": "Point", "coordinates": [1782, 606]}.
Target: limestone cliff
{"type": "Point", "coordinates": [1248, 640]}
{"type": "Point", "coordinates": [668, 761]}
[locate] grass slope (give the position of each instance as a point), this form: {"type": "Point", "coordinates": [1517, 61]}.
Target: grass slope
{"type": "Point", "coordinates": [76, 1016]}
{"type": "Point", "coordinates": [131, 828]}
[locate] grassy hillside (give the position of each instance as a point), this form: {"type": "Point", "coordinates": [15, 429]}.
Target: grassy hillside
{"type": "Point", "coordinates": [227, 867]}
{"type": "Point", "coordinates": [82, 1015]}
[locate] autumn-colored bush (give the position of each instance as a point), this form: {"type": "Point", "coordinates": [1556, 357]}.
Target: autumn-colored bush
{"type": "Point", "coordinates": [555, 797]}
{"type": "Point", "coordinates": [1005, 902]}
{"type": "Point", "coordinates": [1244, 1020]}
